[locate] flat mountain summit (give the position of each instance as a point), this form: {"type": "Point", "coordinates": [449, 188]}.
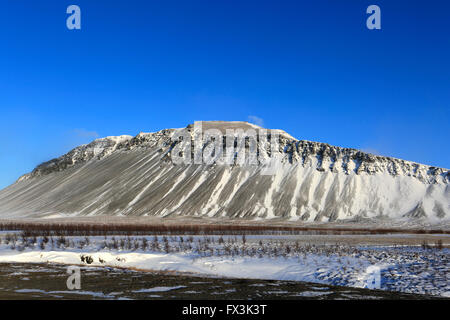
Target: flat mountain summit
{"type": "Point", "coordinates": [309, 181]}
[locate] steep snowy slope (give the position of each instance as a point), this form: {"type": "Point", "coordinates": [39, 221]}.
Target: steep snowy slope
{"type": "Point", "coordinates": [311, 181]}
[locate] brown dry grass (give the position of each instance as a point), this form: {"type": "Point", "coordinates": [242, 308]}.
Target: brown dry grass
{"type": "Point", "coordinates": [114, 227]}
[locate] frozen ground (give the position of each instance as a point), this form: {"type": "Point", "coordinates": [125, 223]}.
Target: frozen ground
{"type": "Point", "coordinates": [409, 269]}
{"type": "Point", "coordinates": [48, 281]}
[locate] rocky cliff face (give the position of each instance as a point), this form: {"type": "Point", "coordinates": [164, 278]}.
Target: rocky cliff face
{"type": "Point", "coordinates": [310, 181]}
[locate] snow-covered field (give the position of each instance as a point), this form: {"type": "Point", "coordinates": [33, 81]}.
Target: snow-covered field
{"type": "Point", "coordinates": [411, 269]}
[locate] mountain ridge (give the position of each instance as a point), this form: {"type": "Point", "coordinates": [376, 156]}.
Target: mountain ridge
{"type": "Point", "coordinates": [102, 147]}
{"type": "Point", "coordinates": [311, 181]}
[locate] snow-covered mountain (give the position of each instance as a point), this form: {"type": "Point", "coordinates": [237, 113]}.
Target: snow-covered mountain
{"type": "Point", "coordinates": [311, 181]}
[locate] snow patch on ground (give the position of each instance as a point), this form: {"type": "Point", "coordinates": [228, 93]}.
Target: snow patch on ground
{"type": "Point", "coordinates": [335, 270]}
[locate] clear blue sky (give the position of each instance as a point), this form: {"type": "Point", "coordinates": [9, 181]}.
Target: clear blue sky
{"type": "Point", "coordinates": [311, 68]}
